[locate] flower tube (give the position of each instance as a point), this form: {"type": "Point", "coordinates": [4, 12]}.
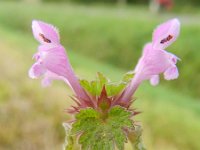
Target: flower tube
{"type": "Point", "coordinates": [155, 60]}
{"type": "Point", "coordinates": [51, 59]}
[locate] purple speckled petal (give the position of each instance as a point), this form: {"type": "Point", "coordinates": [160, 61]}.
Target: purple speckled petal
{"type": "Point", "coordinates": [166, 33]}
{"type": "Point", "coordinates": [53, 59]}
{"type": "Point", "coordinates": [155, 60]}
{"type": "Point", "coordinates": [45, 33]}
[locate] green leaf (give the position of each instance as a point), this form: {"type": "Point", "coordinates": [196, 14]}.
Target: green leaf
{"type": "Point", "coordinates": [86, 85]}
{"type": "Point", "coordinates": [128, 76]}
{"type": "Point", "coordinates": [99, 133]}
{"type": "Point", "coordinates": [70, 143]}
{"type": "Point", "coordinates": [102, 79]}
{"type": "Point", "coordinates": [119, 117]}
{"type": "Point", "coordinates": [135, 138]}
{"type": "Point", "coordinates": [114, 89]}
{"type": "Point", "coordinates": [95, 87]}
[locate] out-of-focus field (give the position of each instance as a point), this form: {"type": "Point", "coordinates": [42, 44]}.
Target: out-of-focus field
{"type": "Point", "coordinates": [98, 39]}
{"type": "Point", "coordinates": [112, 34]}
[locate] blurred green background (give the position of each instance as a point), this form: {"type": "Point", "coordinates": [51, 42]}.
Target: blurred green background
{"type": "Point", "coordinates": [105, 36]}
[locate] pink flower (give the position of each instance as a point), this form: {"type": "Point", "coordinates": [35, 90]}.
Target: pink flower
{"type": "Point", "coordinates": [51, 59]}
{"type": "Point", "coordinates": [155, 60]}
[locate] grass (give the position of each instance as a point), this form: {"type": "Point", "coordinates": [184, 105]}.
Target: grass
{"type": "Point", "coordinates": [31, 117]}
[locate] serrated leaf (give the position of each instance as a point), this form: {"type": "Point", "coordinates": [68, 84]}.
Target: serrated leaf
{"type": "Point", "coordinates": [135, 138]}
{"type": "Point", "coordinates": [86, 85]}
{"type": "Point", "coordinates": [127, 77]}
{"type": "Point", "coordinates": [102, 133]}
{"type": "Point", "coordinates": [120, 139]}
{"type": "Point", "coordinates": [95, 87]}
{"type": "Point", "coordinates": [121, 115]}
{"type": "Point", "coordinates": [87, 119]}
{"type": "Point", "coordinates": [114, 89]}
{"type": "Point", "coordinates": [70, 144]}
{"type": "Point", "coordinates": [102, 79]}
{"type": "Point", "coordinates": [69, 139]}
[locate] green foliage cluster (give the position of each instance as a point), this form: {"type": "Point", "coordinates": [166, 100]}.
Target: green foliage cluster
{"type": "Point", "coordinates": [95, 87]}
{"type": "Point", "coordinates": [102, 133]}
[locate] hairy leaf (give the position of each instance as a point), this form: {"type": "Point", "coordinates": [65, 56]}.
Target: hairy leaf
{"type": "Point", "coordinates": [135, 139]}
{"type": "Point", "coordinates": [69, 139]}
{"type": "Point", "coordinates": [97, 133]}
{"type": "Point", "coordinates": [95, 87]}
